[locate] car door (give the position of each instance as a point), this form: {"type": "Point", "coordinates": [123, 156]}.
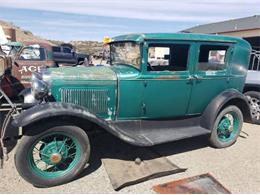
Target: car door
{"type": "Point", "coordinates": [211, 74]}
{"type": "Point", "coordinates": [29, 60]}
{"type": "Point", "coordinates": [167, 83]}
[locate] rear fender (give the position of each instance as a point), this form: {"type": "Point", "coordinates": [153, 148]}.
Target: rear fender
{"type": "Point", "coordinates": [228, 97]}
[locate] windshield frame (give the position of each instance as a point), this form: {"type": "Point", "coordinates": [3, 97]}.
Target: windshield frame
{"type": "Point", "coordinates": [126, 64]}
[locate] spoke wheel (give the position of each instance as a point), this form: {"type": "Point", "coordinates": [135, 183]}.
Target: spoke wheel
{"type": "Point", "coordinates": [227, 127]}
{"type": "Point", "coordinates": [54, 156]}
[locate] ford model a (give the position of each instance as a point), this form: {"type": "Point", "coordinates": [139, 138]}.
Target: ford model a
{"type": "Point", "coordinates": [159, 88]}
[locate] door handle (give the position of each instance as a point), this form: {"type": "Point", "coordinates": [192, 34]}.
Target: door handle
{"type": "Point", "coordinates": [190, 79]}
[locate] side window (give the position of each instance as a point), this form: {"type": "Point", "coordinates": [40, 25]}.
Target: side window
{"type": "Point", "coordinates": [56, 49]}
{"type": "Point", "coordinates": [168, 57]}
{"type": "Point", "coordinates": [31, 53]}
{"type": "Point", "coordinates": [66, 50]}
{"type": "Point", "coordinates": [212, 57]}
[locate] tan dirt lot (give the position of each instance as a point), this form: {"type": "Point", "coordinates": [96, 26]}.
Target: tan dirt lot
{"type": "Point", "coordinates": [236, 167]}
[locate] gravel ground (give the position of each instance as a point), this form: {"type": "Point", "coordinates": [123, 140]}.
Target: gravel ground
{"type": "Point", "coordinates": [236, 167]}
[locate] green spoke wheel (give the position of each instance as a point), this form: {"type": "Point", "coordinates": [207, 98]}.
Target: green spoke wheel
{"type": "Point", "coordinates": [53, 157]}
{"type": "Point", "coordinates": [227, 127]}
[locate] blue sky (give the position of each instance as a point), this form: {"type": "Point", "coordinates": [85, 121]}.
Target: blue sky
{"type": "Point", "coordinates": [93, 19]}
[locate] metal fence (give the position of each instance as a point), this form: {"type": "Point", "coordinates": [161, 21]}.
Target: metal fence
{"type": "Point", "coordinates": [254, 60]}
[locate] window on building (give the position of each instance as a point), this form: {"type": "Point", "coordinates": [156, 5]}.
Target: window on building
{"type": "Point", "coordinates": [168, 57]}
{"type": "Point", "coordinates": [212, 57]}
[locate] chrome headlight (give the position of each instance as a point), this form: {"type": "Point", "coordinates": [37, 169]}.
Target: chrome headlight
{"type": "Point", "coordinates": [40, 88]}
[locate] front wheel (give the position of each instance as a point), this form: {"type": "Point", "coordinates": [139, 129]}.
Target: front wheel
{"type": "Point", "coordinates": [53, 157]}
{"type": "Point", "coordinates": [227, 127]}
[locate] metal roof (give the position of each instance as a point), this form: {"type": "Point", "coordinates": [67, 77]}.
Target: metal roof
{"type": "Point", "coordinates": [239, 24]}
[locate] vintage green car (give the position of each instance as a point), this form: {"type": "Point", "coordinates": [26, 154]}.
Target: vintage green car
{"type": "Point", "coordinates": [159, 88]}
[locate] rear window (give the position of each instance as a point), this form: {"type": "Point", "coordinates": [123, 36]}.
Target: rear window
{"type": "Point", "coordinates": [212, 57]}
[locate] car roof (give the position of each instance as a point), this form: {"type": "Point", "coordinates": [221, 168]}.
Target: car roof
{"type": "Point", "coordinates": [176, 36]}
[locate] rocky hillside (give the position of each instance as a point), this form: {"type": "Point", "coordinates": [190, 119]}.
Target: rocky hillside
{"type": "Point", "coordinates": [87, 47]}
{"type": "Point", "coordinates": [21, 34]}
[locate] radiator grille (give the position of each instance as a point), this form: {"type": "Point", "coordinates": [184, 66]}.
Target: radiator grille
{"type": "Point", "coordinates": [94, 99]}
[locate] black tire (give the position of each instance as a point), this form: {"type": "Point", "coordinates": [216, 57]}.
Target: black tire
{"type": "Point", "coordinates": [23, 164]}
{"type": "Point", "coordinates": [254, 103]}
{"type": "Point", "coordinates": [215, 139]}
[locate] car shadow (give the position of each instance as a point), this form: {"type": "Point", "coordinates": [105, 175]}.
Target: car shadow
{"type": "Point", "coordinates": [107, 146]}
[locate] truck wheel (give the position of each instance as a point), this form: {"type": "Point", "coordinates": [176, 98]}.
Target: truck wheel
{"type": "Point", "coordinates": [227, 127]}
{"type": "Point", "coordinates": [254, 103]}
{"type": "Point", "coordinates": [53, 157]}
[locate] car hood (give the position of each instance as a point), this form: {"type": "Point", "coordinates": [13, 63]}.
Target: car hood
{"type": "Point", "coordinates": [83, 73]}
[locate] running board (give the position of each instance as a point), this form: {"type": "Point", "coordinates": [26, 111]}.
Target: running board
{"type": "Point", "coordinates": [151, 132]}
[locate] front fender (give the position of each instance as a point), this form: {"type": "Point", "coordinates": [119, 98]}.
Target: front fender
{"type": "Point", "coordinates": [228, 97]}
{"type": "Point", "coordinates": [51, 110]}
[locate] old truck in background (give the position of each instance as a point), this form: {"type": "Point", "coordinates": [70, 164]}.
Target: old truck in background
{"type": "Point", "coordinates": [31, 57]}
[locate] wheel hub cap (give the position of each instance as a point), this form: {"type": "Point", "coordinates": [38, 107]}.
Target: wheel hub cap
{"type": "Point", "coordinates": [54, 152]}
{"type": "Point", "coordinates": [55, 158]}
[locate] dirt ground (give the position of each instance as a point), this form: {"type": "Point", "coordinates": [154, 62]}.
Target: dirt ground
{"type": "Point", "coordinates": [236, 167]}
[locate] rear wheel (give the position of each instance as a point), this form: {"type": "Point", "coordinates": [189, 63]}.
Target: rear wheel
{"type": "Point", "coordinates": [227, 127]}
{"type": "Point", "coordinates": [53, 157]}
{"type": "Point", "coordinates": [254, 103]}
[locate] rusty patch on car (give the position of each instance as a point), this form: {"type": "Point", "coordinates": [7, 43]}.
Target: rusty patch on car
{"type": "Point", "coordinates": [83, 73]}
{"type": "Point", "coordinates": [200, 184]}
{"type": "Point", "coordinates": [168, 77]}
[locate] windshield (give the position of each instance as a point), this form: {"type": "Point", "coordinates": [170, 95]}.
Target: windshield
{"type": "Point", "coordinates": [125, 53]}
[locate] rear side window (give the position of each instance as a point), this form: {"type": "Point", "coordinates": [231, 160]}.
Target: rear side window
{"type": "Point", "coordinates": [212, 57]}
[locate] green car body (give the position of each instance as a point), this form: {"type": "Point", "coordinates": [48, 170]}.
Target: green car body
{"type": "Point", "coordinates": [128, 94]}
{"type": "Point", "coordinates": [159, 88]}
{"type": "Point", "coordinates": [122, 91]}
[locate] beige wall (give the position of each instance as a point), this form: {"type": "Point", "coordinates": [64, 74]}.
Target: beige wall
{"type": "Point", "coordinates": [244, 33]}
